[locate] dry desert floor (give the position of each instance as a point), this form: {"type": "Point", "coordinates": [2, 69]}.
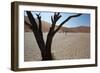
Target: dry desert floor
{"type": "Point", "coordinates": [64, 46]}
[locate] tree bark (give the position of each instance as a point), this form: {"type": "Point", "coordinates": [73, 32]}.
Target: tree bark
{"type": "Point", "coordinates": [48, 45]}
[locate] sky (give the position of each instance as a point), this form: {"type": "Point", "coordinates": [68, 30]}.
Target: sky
{"type": "Point", "coordinates": [83, 20]}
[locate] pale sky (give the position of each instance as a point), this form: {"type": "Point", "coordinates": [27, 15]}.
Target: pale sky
{"type": "Point", "coordinates": [83, 20]}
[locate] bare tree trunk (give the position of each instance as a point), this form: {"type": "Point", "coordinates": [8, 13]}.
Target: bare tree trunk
{"type": "Point", "coordinates": [48, 46]}
{"type": "Point", "coordinates": [45, 48]}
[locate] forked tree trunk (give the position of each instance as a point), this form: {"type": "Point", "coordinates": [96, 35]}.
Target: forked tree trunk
{"type": "Point", "coordinates": [45, 48]}
{"type": "Point", "coordinates": [48, 53]}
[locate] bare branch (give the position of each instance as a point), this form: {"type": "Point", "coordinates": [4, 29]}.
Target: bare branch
{"type": "Point", "coordinates": [40, 23]}
{"type": "Point", "coordinates": [54, 20]}
{"type": "Point", "coordinates": [56, 17]}
{"type": "Point", "coordinates": [38, 34]}
{"type": "Point", "coordinates": [32, 20]}
{"type": "Point", "coordinates": [66, 20]}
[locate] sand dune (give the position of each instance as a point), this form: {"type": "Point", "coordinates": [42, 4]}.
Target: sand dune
{"type": "Point", "coordinates": [46, 26]}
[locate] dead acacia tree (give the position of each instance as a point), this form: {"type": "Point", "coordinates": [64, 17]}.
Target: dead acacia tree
{"type": "Point", "coordinates": [45, 47]}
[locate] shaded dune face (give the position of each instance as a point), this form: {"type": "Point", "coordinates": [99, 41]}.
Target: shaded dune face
{"type": "Point", "coordinates": [46, 26]}
{"type": "Point", "coordinates": [81, 29]}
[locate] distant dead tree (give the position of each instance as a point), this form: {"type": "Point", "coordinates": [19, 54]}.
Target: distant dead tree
{"type": "Point", "coordinates": [65, 32]}
{"type": "Point", "coordinates": [45, 47]}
